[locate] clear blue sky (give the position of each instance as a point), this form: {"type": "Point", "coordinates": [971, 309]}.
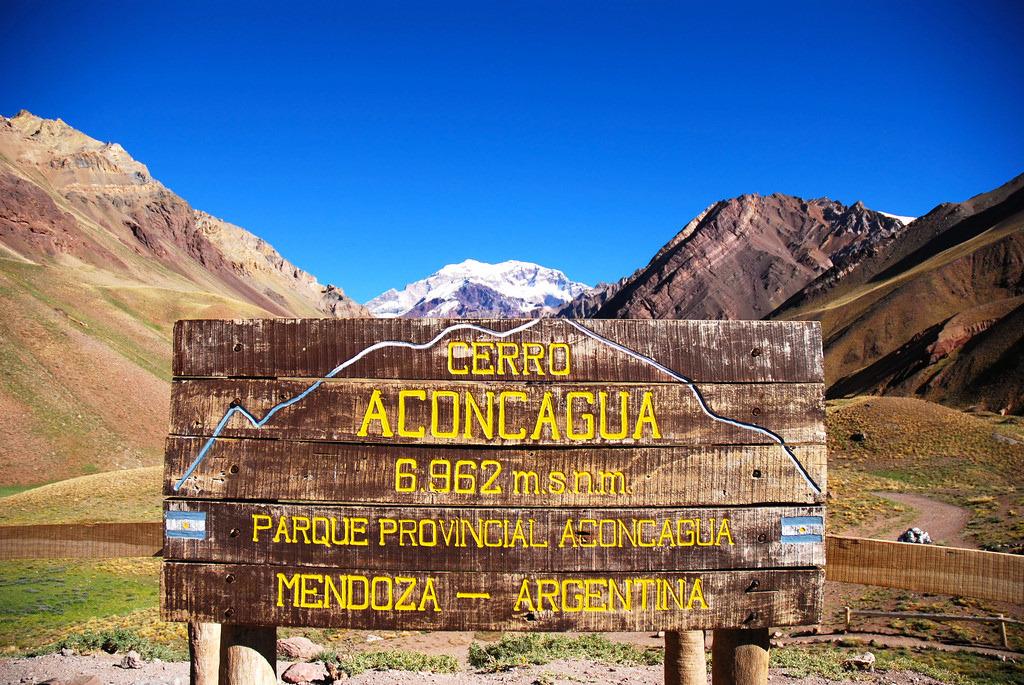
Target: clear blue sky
{"type": "Point", "coordinates": [374, 142]}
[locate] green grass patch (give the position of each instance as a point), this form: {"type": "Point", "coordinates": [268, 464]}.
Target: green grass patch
{"type": "Point", "coordinates": [907, 477]}
{"type": "Point", "coordinates": [40, 601]}
{"type": "Point", "coordinates": [801, 662]}
{"type": "Point", "coordinates": [116, 641]}
{"type": "Point", "coordinates": [393, 660]}
{"type": "Point", "coordinates": [8, 490]}
{"type": "Point", "coordinates": [534, 649]}
{"type": "Point", "coordinates": [952, 668]}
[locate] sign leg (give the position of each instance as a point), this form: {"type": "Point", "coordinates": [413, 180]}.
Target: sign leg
{"type": "Point", "coordinates": [204, 652]}
{"type": "Point", "coordinates": [685, 663]}
{"type": "Point", "coordinates": [248, 655]}
{"type": "Point", "coordinates": [740, 657]}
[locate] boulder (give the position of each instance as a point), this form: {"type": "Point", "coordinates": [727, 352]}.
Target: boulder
{"type": "Point", "coordinates": [861, 662]}
{"type": "Point", "coordinates": [916, 536]}
{"type": "Point", "coordinates": [314, 672]}
{"type": "Point", "coordinates": [132, 660]}
{"type": "Point", "coordinates": [298, 648]}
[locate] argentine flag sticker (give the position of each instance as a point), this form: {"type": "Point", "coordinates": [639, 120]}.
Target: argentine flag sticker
{"type": "Point", "coordinates": [800, 529]}
{"type": "Point", "coordinates": [185, 524]}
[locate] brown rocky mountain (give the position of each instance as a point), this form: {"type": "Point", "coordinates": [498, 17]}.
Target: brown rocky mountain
{"type": "Point", "coordinates": [97, 260]}
{"type": "Point", "coordinates": [742, 258]}
{"type": "Point", "coordinates": [937, 312]}
{"type": "Point", "coordinates": [69, 198]}
{"type": "Point", "coordinates": [586, 305]}
{"type": "Point", "coordinates": [933, 308]}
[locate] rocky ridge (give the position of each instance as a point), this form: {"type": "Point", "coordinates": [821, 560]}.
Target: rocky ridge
{"type": "Point", "coordinates": [71, 198]}
{"type": "Point", "coordinates": [97, 261]}
{"type": "Point", "coordinates": [936, 312]}
{"type": "Point", "coordinates": [930, 307]}
{"type": "Point", "coordinates": [742, 258]}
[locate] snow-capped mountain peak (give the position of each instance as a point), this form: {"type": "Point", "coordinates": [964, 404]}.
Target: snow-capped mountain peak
{"type": "Point", "coordinates": [478, 289]}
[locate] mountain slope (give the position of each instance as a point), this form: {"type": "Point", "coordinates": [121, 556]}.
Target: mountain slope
{"type": "Point", "coordinates": [478, 289]}
{"type": "Point", "coordinates": [742, 258]}
{"type": "Point", "coordinates": [930, 307]}
{"type": "Point", "coordinates": [97, 260]}
{"type": "Point", "coordinates": [936, 313]}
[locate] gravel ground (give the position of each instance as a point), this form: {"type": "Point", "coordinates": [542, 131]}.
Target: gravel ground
{"type": "Point", "coordinates": [104, 666]}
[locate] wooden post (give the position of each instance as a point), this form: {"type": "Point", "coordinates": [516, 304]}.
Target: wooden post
{"type": "Point", "coordinates": [685, 663]}
{"type": "Point", "coordinates": [248, 655]}
{"type": "Point", "coordinates": [740, 657]}
{"type": "Point", "coordinates": [204, 652]}
{"type": "Point", "coordinates": [847, 618]}
{"type": "Point", "coordinates": [1002, 631]}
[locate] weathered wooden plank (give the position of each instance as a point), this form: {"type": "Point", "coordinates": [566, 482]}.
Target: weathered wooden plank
{"type": "Point", "coordinates": [294, 596]}
{"type": "Point", "coordinates": [81, 540]}
{"type": "Point", "coordinates": [246, 469]}
{"type": "Point", "coordinates": [926, 568]}
{"type": "Point", "coordinates": [513, 414]}
{"type": "Point", "coordinates": [706, 351]}
{"type": "Point", "coordinates": [489, 539]}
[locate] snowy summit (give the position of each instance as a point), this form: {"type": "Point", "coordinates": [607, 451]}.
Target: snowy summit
{"type": "Point", "coordinates": [479, 289]}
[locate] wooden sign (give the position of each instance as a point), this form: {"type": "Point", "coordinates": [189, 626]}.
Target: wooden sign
{"type": "Point", "coordinates": [547, 474]}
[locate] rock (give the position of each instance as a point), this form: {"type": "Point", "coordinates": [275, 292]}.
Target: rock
{"type": "Point", "coordinates": [305, 673]}
{"type": "Point", "coordinates": [67, 651]}
{"type": "Point", "coordinates": [999, 437]}
{"type": "Point", "coordinates": [861, 662]}
{"type": "Point", "coordinates": [916, 536]}
{"type": "Point", "coordinates": [334, 672]}
{"type": "Point", "coordinates": [132, 660]}
{"type": "Point", "coordinates": [298, 648]}
{"type": "Point", "coordinates": [661, 633]}
{"type": "Point", "coordinates": [373, 638]}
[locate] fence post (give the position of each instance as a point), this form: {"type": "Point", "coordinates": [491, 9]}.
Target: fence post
{"type": "Point", "coordinates": [740, 657]}
{"type": "Point", "coordinates": [1002, 631]}
{"type": "Point", "coordinates": [248, 655]}
{"type": "Point", "coordinates": [848, 612]}
{"type": "Point", "coordinates": [204, 653]}
{"type": "Point", "coordinates": [685, 663]}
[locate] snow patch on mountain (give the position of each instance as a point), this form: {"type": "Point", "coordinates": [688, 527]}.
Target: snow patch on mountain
{"type": "Point", "coordinates": [904, 219]}
{"type": "Point", "coordinates": [478, 289]}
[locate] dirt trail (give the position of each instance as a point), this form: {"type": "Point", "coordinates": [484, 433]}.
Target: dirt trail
{"type": "Point", "coordinates": [945, 523]}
